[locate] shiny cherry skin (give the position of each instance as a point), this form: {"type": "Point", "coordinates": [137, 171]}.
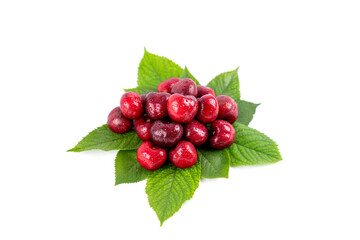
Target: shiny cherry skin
{"type": "Point", "coordinates": [117, 122]}
{"type": "Point", "coordinates": [143, 98]}
{"type": "Point", "coordinates": [156, 105]}
{"type": "Point", "coordinates": [131, 105]}
{"type": "Point", "coordinates": [196, 133]}
{"type": "Point", "coordinates": [182, 108]}
{"type": "Point", "coordinates": [222, 134]}
{"type": "Point", "coordinates": [228, 109]}
{"type": "Point", "coordinates": [166, 134]}
{"type": "Point", "coordinates": [151, 157]}
{"type": "Point", "coordinates": [142, 128]}
{"type": "Point", "coordinates": [203, 90]}
{"type": "Point", "coordinates": [184, 155]}
{"type": "Point", "coordinates": [166, 85]}
{"type": "Point", "coordinates": [185, 86]}
{"type": "Point", "coordinates": [208, 109]}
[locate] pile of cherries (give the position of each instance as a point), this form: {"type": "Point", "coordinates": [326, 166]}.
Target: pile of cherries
{"type": "Point", "coordinates": [175, 118]}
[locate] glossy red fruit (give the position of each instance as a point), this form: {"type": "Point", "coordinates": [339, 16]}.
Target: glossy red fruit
{"type": "Point", "coordinates": [156, 105]}
{"type": "Point", "coordinates": [166, 134]}
{"type": "Point", "coordinates": [228, 109]}
{"type": "Point", "coordinates": [117, 122]}
{"type": "Point", "coordinates": [196, 133]}
{"type": "Point", "coordinates": [182, 108]}
{"type": "Point", "coordinates": [185, 86]}
{"type": "Point", "coordinates": [208, 109]}
{"type": "Point", "coordinates": [203, 90]}
{"type": "Point", "coordinates": [222, 134]}
{"type": "Point", "coordinates": [183, 155]}
{"type": "Point", "coordinates": [166, 85]}
{"type": "Point", "coordinates": [142, 128]}
{"type": "Point", "coordinates": [150, 157]}
{"type": "Point", "coordinates": [143, 98]}
{"type": "Point", "coordinates": [131, 105]}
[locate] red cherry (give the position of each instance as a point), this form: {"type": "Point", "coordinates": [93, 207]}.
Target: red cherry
{"type": "Point", "coordinates": [156, 105]}
{"type": "Point", "coordinates": [222, 134]}
{"type": "Point", "coordinates": [150, 157]}
{"type": "Point", "coordinates": [208, 109]}
{"type": "Point", "coordinates": [182, 108]}
{"type": "Point", "coordinates": [203, 90]}
{"type": "Point", "coordinates": [117, 122]}
{"type": "Point", "coordinates": [166, 134]}
{"type": "Point", "coordinates": [228, 109]}
{"type": "Point", "coordinates": [166, 85]}
{"type": "Point", "coordinates": [185, 86]}
{"type": "Point", "coordinates": [142, 128]}
{"type": "Point", "coordinates": [131, 105]}
{"type": "Point", "coordinates": [196, 133]}
{"type": "Point", "coordinates": [184, 155]}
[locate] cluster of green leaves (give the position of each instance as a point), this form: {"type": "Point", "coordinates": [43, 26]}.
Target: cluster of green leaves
{"type": "Point", "coordinates": [169, 187]}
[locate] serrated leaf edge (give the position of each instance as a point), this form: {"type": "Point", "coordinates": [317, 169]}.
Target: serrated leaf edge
{"type": "Point", "coordinates": [275, 158]}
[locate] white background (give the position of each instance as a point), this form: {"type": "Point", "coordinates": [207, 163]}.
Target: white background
{"type": "Point", "coordinates": [63, 65]}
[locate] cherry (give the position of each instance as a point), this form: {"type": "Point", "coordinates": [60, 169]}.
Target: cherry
{"type": "Point", "coordinates": [185, 86]}
{"type": "Point", "coordinates": [142, 128]}
{"type": "Point", "coordinates": [150, 157]}
{"type": "Point", "coordinates": [156, 105]}
{"type": "Point", "coordinates": [166, 134]}
{"type": "Point", "coordinates": [228, 109]}
{"type": "Point", "coordinates": [166, 85]}
{"type": "Point", "coordinates": [222, 134]}
{"type": "Point", "coordinates": [131, 105]}
{"type": "Point", "coordinates": [208, 109]}
{"type": "Point", "coordinates": [196, 133]}
{"type": "Point", "coordinates": [182, 108]}
{"type": "Point", "coordinates": [203, 90]}
{"type": "Point", "coordinates": [143, 98]}
{"type": "Point", "coordinates": [183, 155]}
{"type": "Point", "coordinates": [117, 122]}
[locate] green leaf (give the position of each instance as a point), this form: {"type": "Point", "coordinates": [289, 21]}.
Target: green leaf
{"type": "Point", "coordinates": [252, 147]}
{"type": "Point", "coordinates": [128, 169]}
{"type": "Point", "coordinates": [187, 74]}
{"type": "Point", "coordinates": [195, 172]}
{"type": "Point", "coordinates": [214, 163]}
{"type": "Point", "coordinates": [140, 90]}
{"type": "Point", "coordinates": [169, 187]}
{"type": "Point", "coordinates": [246, 111]}
{"type": "Point", "coordinates": [226, 83]}
{"type": "Point", "coordinates": [144, 90]}
{"type": "Point", "coordinates": [154, 69]}
{"type": "Point", "coordinates": [104, 139]}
